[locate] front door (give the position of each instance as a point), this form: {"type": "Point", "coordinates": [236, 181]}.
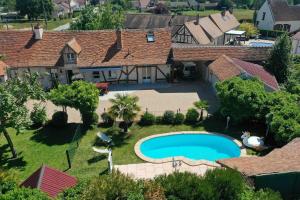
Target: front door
{"type": "Point", "coordinates": [146, 72]}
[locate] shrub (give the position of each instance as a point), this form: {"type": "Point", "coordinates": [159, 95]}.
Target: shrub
{"type": "Point", "coordinates": [24, 193]}
{"type": "Point", "coordinates": [107, 119]}
{"type": "Point", "coordinates": [59, 119]}
{"type": "Point", "coordinates": [147, 119]}
{"type": "Point", "coordinates": [113, 186]}
{"type": "Point", "coordinates": [74, 193]}
{"type": "Point", "coordinates": [90, 118]}
{"type": "Point", "coordinates": [191, 116]}
{"type": "Point", "coordinates": [38, 115]}
{"type": "Point", "coordinates": [168, 117]}
{"type": "Point", "coordinates": [179, 118]}
{"type": "Point", "coordinates": [153, 191]}
{"type": "Point", "coordinates": [7, 182]}
{"type": "Point", "coordinates": [159, 120]}
{"type": "Point", "coordinates": [114, 130]}
{"type": "Point", "coordinates": [227, 183]}
{"type": "Point", "coordinates": [262, 194]}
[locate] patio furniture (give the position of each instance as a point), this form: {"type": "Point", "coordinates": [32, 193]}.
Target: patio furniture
{"type": "Point", "coordinates": [109, 159]}
{"type": "Point", "coordinates": [103, 87]}
{"type": "Point", "coordinates": [253, 142]}
{"type": "Point", "coordinates": [106, 139]}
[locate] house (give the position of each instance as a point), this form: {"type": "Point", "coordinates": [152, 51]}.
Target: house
{"type": "Point", "coordinates": [278, 170]}
{"type": "Point", "coordinates": [64, 7]}
{"type": "Point", "coordinates": [143, 5]}
{"type": "Point", "coordinates": [130, 56]}
{"type": "Point", "coordinates": [226, 67]}
{"type": "Point", "coordinates": [296, 44]}
{"type": "Point", "coordinates": [278, 15]}
{"type": "Point", "coordinates": [3, 76]}
{"type": "Point", "coordinates": [209, 30]}
{"type": "Point", "coordinates": [50, 181]}
{"type": "Point", "coordinates": [152, 21]}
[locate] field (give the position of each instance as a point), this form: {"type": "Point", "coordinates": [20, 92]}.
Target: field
{"type": "Point", "coordinates": [24, 24]}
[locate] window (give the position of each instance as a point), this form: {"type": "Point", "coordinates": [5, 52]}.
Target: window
{"type": "Point", "coordinates": [263, 16]}
{"type": "Point", "coordinates": [150, 37]}
{"type": "Point", "coordinates": [96, 74]}
{"type": "Point", "coordinates": [70, 58]}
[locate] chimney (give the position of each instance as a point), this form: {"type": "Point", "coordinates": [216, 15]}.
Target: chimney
{"type": "Point", "coordinates": [38, 32]}
{"type": "Point", "coordinates": [198, 19]}
{"type": "Point", "coordinates": [119, 38]}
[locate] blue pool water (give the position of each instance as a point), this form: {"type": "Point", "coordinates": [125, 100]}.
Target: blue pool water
{"type": "Point", "coordinates": [261, 44]}
{"type": "Point", "coordinates": [192, 146]}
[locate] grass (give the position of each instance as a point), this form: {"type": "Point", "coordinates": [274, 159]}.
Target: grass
{"type": "Point", "coordinates": [240, 14]}
{"type": "Point", "coordinates": [24, 24]}
{"type": "Point", "coordinates": [48, 146]}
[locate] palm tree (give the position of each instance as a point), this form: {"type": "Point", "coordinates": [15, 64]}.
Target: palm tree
{"type": "Point", "coordinates": [201, 105]}
{"type": "Point", "coordinates": [124, 107]}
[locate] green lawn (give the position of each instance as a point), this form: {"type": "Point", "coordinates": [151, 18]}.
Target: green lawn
{"type": "Point", "coordinates": [48, 146]}
{"type": "Point", "coordinates": [240, 14]}
{"type": "Point", "coordinates": [24, 24]}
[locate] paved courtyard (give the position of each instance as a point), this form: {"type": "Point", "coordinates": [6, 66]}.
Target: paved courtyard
{"type": "Point", "coordinates": [156, 98]}
{"type": "Point", "coordinates": [150, 170]}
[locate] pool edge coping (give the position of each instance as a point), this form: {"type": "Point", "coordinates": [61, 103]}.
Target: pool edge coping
{"type": "Point", "coordinates": [182, 158]}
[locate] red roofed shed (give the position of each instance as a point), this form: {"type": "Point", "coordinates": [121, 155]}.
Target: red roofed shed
{"type": "Point", "coordinates": [50, 181]}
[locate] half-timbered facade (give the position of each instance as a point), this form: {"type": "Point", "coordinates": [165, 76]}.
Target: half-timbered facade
{"type": "Point", "coordinates": [122, 56]}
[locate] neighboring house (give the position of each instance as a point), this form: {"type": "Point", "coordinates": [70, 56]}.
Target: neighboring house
{"type": "Point", "coordinates": [152, 21]}
{"type": "Point", "coordinates": [225, 68]}
{"type": "Point", "coordinates": [50, 181]}
{"type": "Point", "coordinates": [143, 4]}
{"type": "Point", "coordinates": [130, 56]}
{"type": "Point", "coordinates": [207, 30]}
{"type": "Point", "coordinates": [3, 67]}
{"type": "Point", "coordinates": [64, 7]}
{"type": "Point", "coordinates": [278, 170]}
{"type": "Point", "coordinates": [296, 43]}
{"type": "Point", "coordinates": [278, 15]}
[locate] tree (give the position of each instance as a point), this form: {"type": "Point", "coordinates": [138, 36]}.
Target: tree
{"type": "Point", "coordinates": [35, 8]}
{"type": "Point", "coordinates": [225, 4]}
{"type": "Point", "coordinates": [280, 59]}
{"type": "Point", "coordinates": [284, 116]}
{"type": "Point", "coordinates": [242, 99]}
{"type": "Point", "coordinates": [293, 83]}
{"type": "Point", "coordinates": [124, 107]}
{"type": "Point", "coordinates": [250, 29]}
{"type": "Point", "coordinates": [8, 5]}
{"type": "Point", "coordinates": [105, 16]}
{"type": "Point", "coordinates": [80, 95]}
{"type": "Point", "coordinates": [241, 3]}
{"type": "Point", "coordinates": [13, 95]}
{"type": "Point", "coordinates": [24, 193]}
{"type": "Point", "coordinates": [161, 9]}
{"type": "Point", "coordinates": [201, 105]}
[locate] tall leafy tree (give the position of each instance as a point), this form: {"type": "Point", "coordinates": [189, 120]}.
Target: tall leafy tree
{"type": "Point", "coordinates": [105, 16]}
{"type": "Point", "coordinates": [293, 83]}
{"type": "Point", "coordinates": [35, 8]}
{"type": "Point", "coordinates": [13, 95]}
{"type": "Point", "coordinates": [124, 107]}
{"type": "Point", "coordinates": [80, 95]}
{"type": "Point", "coordinates": [242, 99]}
{"type": "Point", "coordinates": [280, 59]}
{"type": "Point", "coordinates": [8, 5]}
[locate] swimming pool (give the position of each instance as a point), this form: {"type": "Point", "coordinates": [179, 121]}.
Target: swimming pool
{"type": "Point", "coordinates": [193, 146]}
{"type": "Point", "coordinates": [260, 44]}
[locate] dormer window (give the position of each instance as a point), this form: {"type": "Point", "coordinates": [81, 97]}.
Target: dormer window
{"type": "Point", "coordinates": [71, 58]}
{"type": "Point", "coordinates": [150, 37]}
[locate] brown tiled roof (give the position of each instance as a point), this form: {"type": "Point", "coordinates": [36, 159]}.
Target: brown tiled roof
{"type": "Point", "coordinates": [198, 33]}
{"type": "Point", "coordinates": [285, 159]}
{"type": "Point", "coordinates": [225, 67]}
{"type": "Point", "coordinates": [283, 12]}
{"type": "Point", "coordinates": [226, 22]}
{"type": "Point", "coordinates": [3, 67]}
{"type": "Point", "coordinates": [73, 44]}
{"type": "Point", "coordinates": [297, 36]}
{"type": "Point", "coordinates": [186, 52]}
{"type": "Point", "coordinates": [98, 48]}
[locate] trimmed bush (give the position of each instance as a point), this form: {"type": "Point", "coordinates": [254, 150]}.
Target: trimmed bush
{"type": "Point", "coordinates": [107, 119]}
{"type": "Point", "coordinates": [168, 117]}
{"type": "Point", "coordinates": [114, 130]}
{"type": "Point", "coordinates": [147, 119]}
{"type": "Point", "coordinates": [90, 119]}
{"type": "Point", "coordinates": [38, 115]}
{"type": "Point", "coordinates": [59, 119]}
{"type": "Point", "coordinates": [179, 118]}
{"type": "Point", "coordinates": [74, 193]}
{"type": "Point", "coordinates": [159, 120]}
{"type": "Point", "coordinates": [192, 116]}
